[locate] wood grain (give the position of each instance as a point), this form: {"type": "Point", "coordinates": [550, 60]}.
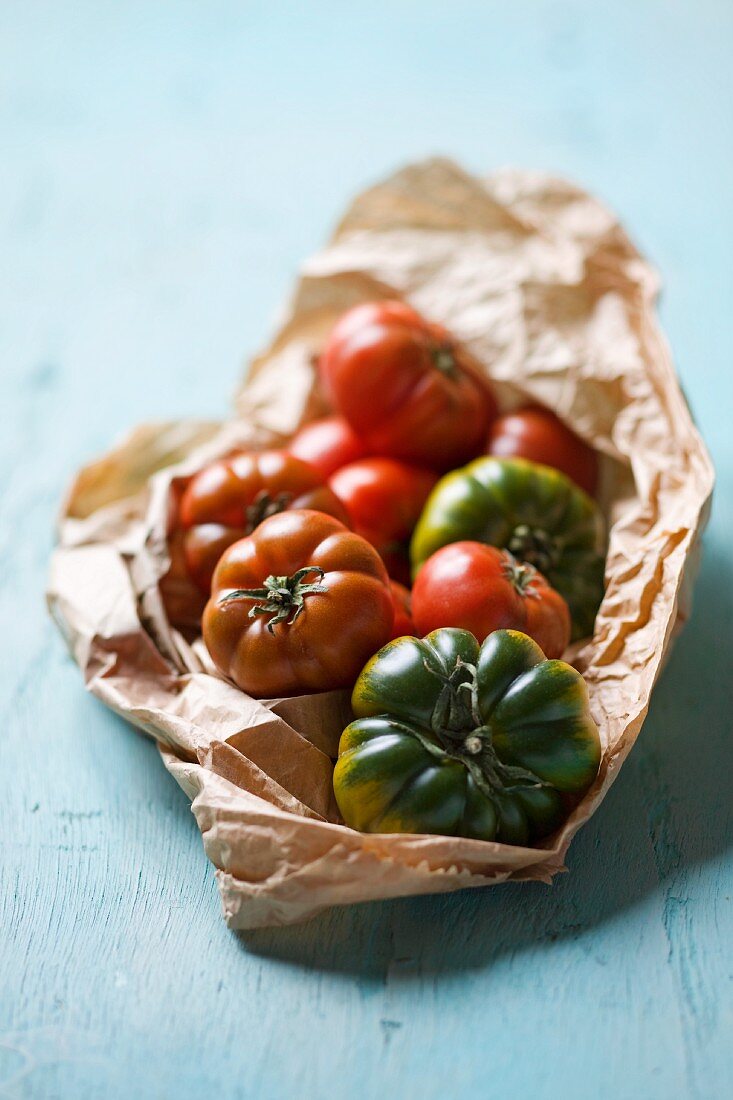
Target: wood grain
{"type": "Point", "coordinates": [164, 168]}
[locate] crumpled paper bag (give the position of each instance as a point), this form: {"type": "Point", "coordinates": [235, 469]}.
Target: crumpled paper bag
{"type": "Point", "coordinates": [541, 283]}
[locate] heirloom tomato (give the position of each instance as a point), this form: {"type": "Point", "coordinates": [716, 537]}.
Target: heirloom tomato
{"type": "Point", "coordinates": [328, 444]}
{"type": "Point", "coordinates": [403, 624]}
{"type": "Point", "coordinates": [297, 606]}
{"type": "Point", "coordinates": [228, 498]}
{"type": "Point", "coordinates": [535, 512]}
{"type": "Point", "coordinates": [383, 500]}
{"type": "Point", "coordinates": [479, 588]}
{"type": "Point", "coordinates": [491, 742]}
{"type": "Point", "coordinates": [539, 435]}
{"type": "Point", "coordinates": [405, 386]}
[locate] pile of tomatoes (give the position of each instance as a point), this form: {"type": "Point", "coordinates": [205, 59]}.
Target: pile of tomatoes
{"type": "Point", "coordinates": [307, 554]}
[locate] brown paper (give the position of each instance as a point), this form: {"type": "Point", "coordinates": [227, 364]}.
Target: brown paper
{"type": "Point", "coordinates": [544, 287]}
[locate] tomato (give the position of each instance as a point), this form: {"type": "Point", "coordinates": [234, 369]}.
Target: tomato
{"type": "Point", "coordinates": [383, 499]}
{"type": "Point", "coordinates": [227, 499]}
{"type": "Point", "coordinates": [297, 606]}
{"type": "Point", "coordinates": [533, 511]}
{"type": "Point", "coordinates": [405, 386]}
{"type": "Point", "coordinates": [479, 588]}
{"type": "Point", "coordinates": [403, 624]}
{"type": "Point", "coordinates": [539, 435]}
{"type": "Point", "coordinates": [491, 742]}
{"type": "Point", "coordinates": [328, 444]}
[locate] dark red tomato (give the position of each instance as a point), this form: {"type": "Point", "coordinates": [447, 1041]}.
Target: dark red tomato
{"type": "Point", "coordinates": [328, 444]}
{"type": "Point", "coordinates": [384, 499]}
{"type": "Point", "coordinates": [226, 500]}
{"type": "Point", "coordinates": [479, 588]}
{"type": "Point", "coordinates": [406, 387]}
{"type": "Point", "coordinates": [537, 434]}
{"type": "Point", "coordinates": [403, 625]}
{"type": "Point", "coordinates": [297, 607]}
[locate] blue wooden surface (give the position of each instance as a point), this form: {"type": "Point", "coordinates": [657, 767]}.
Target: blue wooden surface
{"type": "Point", "coordinates": [163, 168]}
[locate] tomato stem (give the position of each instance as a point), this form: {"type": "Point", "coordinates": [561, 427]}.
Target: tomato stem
{"type": "Point", "coordinates": [463, 734]}
{"type": "Point", "coordinates": [263, 506]}
{"type": "Point", "coordinates": [522, 575]}
{"type": "Point", "coordinates": [444, 360]}
{"type": "Point", "coordinates": [282, 597]}
{"type": "Point", "coordinates": [534, 546]}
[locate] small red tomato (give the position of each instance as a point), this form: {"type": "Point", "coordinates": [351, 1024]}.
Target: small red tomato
{"type": "Point", "coordinates": [537, 434]}
{"type": "Point", "coordinates": [228, 498]}
{"type": "Point", "coordinates": [406, 387]}
{"type": "Point", "coordinates": [384, 499]}
{"type": "Point", "coordinates": [403, 625]}
{"type": "Point", "coordinates": [328, 444]}
{"type": "Point", "coordinates": [479, 588]}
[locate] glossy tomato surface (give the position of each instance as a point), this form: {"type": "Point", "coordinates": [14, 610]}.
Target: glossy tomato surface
{"type": "Point", "coordinates": [327, 444]}
{"type": "Point", "coordinates": [405, 386]}
{"type": "Point", "coordinates": [228, 498]}
{"type": "Point", "coordinates": [383, 500]}
{"type": "Point", "coordinates": [479, 588]}
{"type": "Point", "coordinates": [492, 742]}
{"type": "Point", "coordinates": [298, 606]}
{"type": "Point", "coordinates": [539, 435]}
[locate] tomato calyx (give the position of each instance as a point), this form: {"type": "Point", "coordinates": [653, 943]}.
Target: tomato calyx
{"type": "Point", "coordinates": [444, 360]}
{"type": "Point", "coordinates": [522, 575]}
{"type": "Point", "coordinates": [463, 735]}
{"type": "Point", "coordinates": [282, 597]}
{"type": "Point", "coordinates": [263, 506]}
{"type": "Point", "coordinates": [534, 546]}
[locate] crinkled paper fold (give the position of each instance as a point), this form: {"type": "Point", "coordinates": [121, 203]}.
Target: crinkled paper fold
{"type": "Point", "coordinates": [538, 279]}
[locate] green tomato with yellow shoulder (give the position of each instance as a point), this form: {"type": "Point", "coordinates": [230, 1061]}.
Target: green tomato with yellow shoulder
{"type": "Point", "coordinates": [492, 742]}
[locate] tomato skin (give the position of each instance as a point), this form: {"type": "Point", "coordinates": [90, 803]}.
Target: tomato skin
{"type": "Point", "coordinates": [481, 589]}
{"type": "Point", "coordinates": [537, 434]}
{"type": "Point", "coordinates": [383, 499]}
{"type": "Point", "coordinates": [216, 507]}
{"type": "Point", "coordinates": [327, 445]}
{"type": "Point", "coordinates": [491, 742]}
{"type": "Point", "coordinates": [407, 389]}
{"type": "Point", "coordinates": [337, 629]}
{"type": "Point", "coordinates": [403, 626]}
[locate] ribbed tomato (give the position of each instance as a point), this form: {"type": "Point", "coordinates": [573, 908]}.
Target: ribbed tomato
{"type": "Point", "coordinates": [228, 498]}
{"type": "Point", "coordinates": [405, 386]}
{"type": "Point", "coordinates": [298, 606]}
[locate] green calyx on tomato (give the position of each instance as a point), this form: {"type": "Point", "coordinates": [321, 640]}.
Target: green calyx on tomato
{"type": "Point", "coordinates": [263, 506]}
{"type": "Point", "coordinates": [535, 512]}
{"type": "Point", "coordinates": [491, 742]}
{"type": "Point", "coordinates": [283, 597]}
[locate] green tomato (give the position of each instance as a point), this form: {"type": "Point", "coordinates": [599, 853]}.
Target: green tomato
{"type": "Point", "coordinates": [536, 512]}
{"type": "Point", "coordinates": [458, 739]}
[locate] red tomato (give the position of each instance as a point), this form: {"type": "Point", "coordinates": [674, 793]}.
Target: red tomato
{"type": "Point", "coordinates": [384, 499]}
{"type": "Point", "coordinates": [403, 625]}
{"type": "Point", "coordinates": [479, 588]}
{"type": "Point", "coordinates": [328, 444]}
{"type": "Point", "coordinates": [405, 386]}
{"type": "Point", "coordinates": [230, 497]}
{"type": "Point", "coordinates": [539, 435]}
{"type": "Point", "coordinates": [298, 606]}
